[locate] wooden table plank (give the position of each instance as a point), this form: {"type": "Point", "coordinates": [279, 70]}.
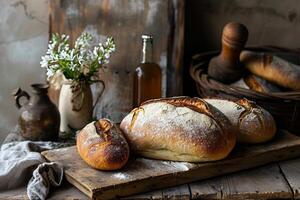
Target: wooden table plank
{"type": "Point", "coordinates": [65, 191]}
{"type": "Point", "coordinates": [180, 192]}
{"type": "Point", "coordinates": [264, 182]}
{"type": "Point", "coordinates": [17, 193]}
{"type": "Point", "coordinates": [155, 195]}
{"type": "Point", "coordinates": [206, 189]}
{"type": "Point", "coordinates": [291, 171]}
{"type": "Point", "coordinates": [261, 183]}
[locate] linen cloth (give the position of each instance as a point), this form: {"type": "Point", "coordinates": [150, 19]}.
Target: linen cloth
{"type": "Point", "coordinates": [44, 176]}
{"type": "Point", "coordinates": [21, 161]}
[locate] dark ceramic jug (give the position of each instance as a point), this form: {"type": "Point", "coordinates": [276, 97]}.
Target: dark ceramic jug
{"type": "Point", "coordinates": [39, 118]}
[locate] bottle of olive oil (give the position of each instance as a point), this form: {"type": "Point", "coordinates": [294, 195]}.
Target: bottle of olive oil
{"type": "Point", "coordinates": [147, 77]}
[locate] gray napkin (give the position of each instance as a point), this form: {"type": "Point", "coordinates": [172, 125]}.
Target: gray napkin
{"type": "Point", "coordinates": [18, 160]}
{"type": "Point", "coordinates": [45, 175]}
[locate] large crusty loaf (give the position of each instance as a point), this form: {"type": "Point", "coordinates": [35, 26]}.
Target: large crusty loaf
{"type": "Point", "coordinates": [179, 129]}
{"type": "Point", "coordinates": [272, 68]}
{"type": "Point", "coordinates": [254, 124]}
{"type": "Point", "coordinates": [102, 145]}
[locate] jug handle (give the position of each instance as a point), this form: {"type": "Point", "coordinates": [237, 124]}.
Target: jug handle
{"type": "Point", "coordinates": [18, 94]}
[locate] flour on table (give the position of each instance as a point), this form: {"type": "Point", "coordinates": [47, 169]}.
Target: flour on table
{"type": "Point", "coordinates": [184, 166]}
{"type": "Point", "coordinates": [121, 176]}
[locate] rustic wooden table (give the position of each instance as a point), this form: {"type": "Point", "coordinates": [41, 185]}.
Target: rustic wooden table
{"type": "Point", "coordinates": [274, 181]}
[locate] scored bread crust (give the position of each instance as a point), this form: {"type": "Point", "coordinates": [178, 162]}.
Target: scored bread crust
{"type": "Point", "coordinates": [256, 125]}
{"type": "Point", "coordinates": [253, 123]}
{"type": "Point", "coordinates": [102, 145]}
{"type": "Point", "coordinates": [179, 129]}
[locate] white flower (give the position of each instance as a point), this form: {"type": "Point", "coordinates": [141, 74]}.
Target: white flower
{"type": "Point", "coordinates": [106, 55]}
{"type": "Point", "coordinates": [111, 50]}
{"type": "Point", "coordinates": [72, 66]}
{"type": "Point", "coordinates": [44, 64]}
{"type": "Point", "coordinates": [95, 51]}
{"type": "Point", "coordinates": [80, 59]}
{"type": "Point", "coordinates": [65, 37]}
{"type": "Point", "coordinates": [51, 46]}
{"type": "Point", "coordinates": [44, 61]}
{"type": "Point", "coordinates": [64, 55]}
{"type": "Point", "coordinates": [83, 41]}
{"type": "Point", "coordinates": [76, 63]}
{"type": "Point", "coordinates": [49, 73]}
{"type": "Point", "coordinates": [71, 55]}
{"type": "Point", "coordinates": [101, 48]}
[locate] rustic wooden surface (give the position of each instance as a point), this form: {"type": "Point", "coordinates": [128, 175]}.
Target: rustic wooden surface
{"type": "Point", "coordinates": [267, 182]}
{"type": "Point", "coordinates": [141, 175]}
{"type": "Point", "coordinates": [126, 21]}
{"type": "Point", "coordinates": [291, 171]}
{"type": "Point", "coordinates": [274, 181]}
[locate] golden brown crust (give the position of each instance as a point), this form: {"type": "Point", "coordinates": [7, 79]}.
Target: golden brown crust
{"type": "Point", "coordinates": [272, 68]}
{"type": "Point", "coordinates": [102, 145]}
{"type": "Point", "coordinates": [256, 125]}
{"type": "Point", "coordinates": [180, 129]}
{"type": "Point", "coordinates": [253, 123]}
{"type": "Point", "coordinates": [195, 104]}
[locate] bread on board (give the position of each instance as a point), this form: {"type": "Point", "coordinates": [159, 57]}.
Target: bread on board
{"type": "Point", "coordinates": [102, 145]}
{"type": "Point", "coordinates": [179, 129]}
{"type": "Point", "coordinates": [253, 123]}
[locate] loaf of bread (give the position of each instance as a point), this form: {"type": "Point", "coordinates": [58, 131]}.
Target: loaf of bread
{"type": "Point", "coordinates": [272, 68]}
{"type": "Point", "coordinates": [253, 123]}
{"type": "Point", "coordinates": [240, 83]}
{"type": "Point", "coordinates": [260, 85]}
{"type": "Point", "coordinates": [179, 129]}
{"type": "Point", "coordinates": [102, 145]}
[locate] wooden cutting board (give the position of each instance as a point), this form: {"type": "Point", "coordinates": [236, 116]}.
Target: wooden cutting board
{"type": "Point", "coordinates": [141, 175]}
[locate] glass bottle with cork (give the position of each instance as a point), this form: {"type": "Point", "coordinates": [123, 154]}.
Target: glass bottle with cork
{"type": "Point", "coordinates": [147, 77]}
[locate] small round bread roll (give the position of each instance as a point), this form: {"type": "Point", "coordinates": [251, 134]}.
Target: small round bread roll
{"type": "Point", "coordinates": [256, 124]}
{"type": "Point", "coordinates": [253, 123]}
{"type": "Point", "coordinates": [102, 145]}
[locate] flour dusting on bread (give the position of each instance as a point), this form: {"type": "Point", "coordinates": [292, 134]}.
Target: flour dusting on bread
{"type": "Point", "coordinates": [181, 128]}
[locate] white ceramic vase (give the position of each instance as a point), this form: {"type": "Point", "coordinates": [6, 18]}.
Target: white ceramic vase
{"type": "Point", "coordinates": [75, 107]}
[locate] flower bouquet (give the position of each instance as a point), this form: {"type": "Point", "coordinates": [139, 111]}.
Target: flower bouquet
{"type": "Point", "coordinates": [74, 70]}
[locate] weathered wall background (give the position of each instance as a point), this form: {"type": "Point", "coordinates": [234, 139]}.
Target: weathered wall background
{"type": "Point", "coordinates": [24, 35]}
{"type": "Point", "coordinates": [270, 22]}
{"type": "Point", "coordinates": [23, 39]}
